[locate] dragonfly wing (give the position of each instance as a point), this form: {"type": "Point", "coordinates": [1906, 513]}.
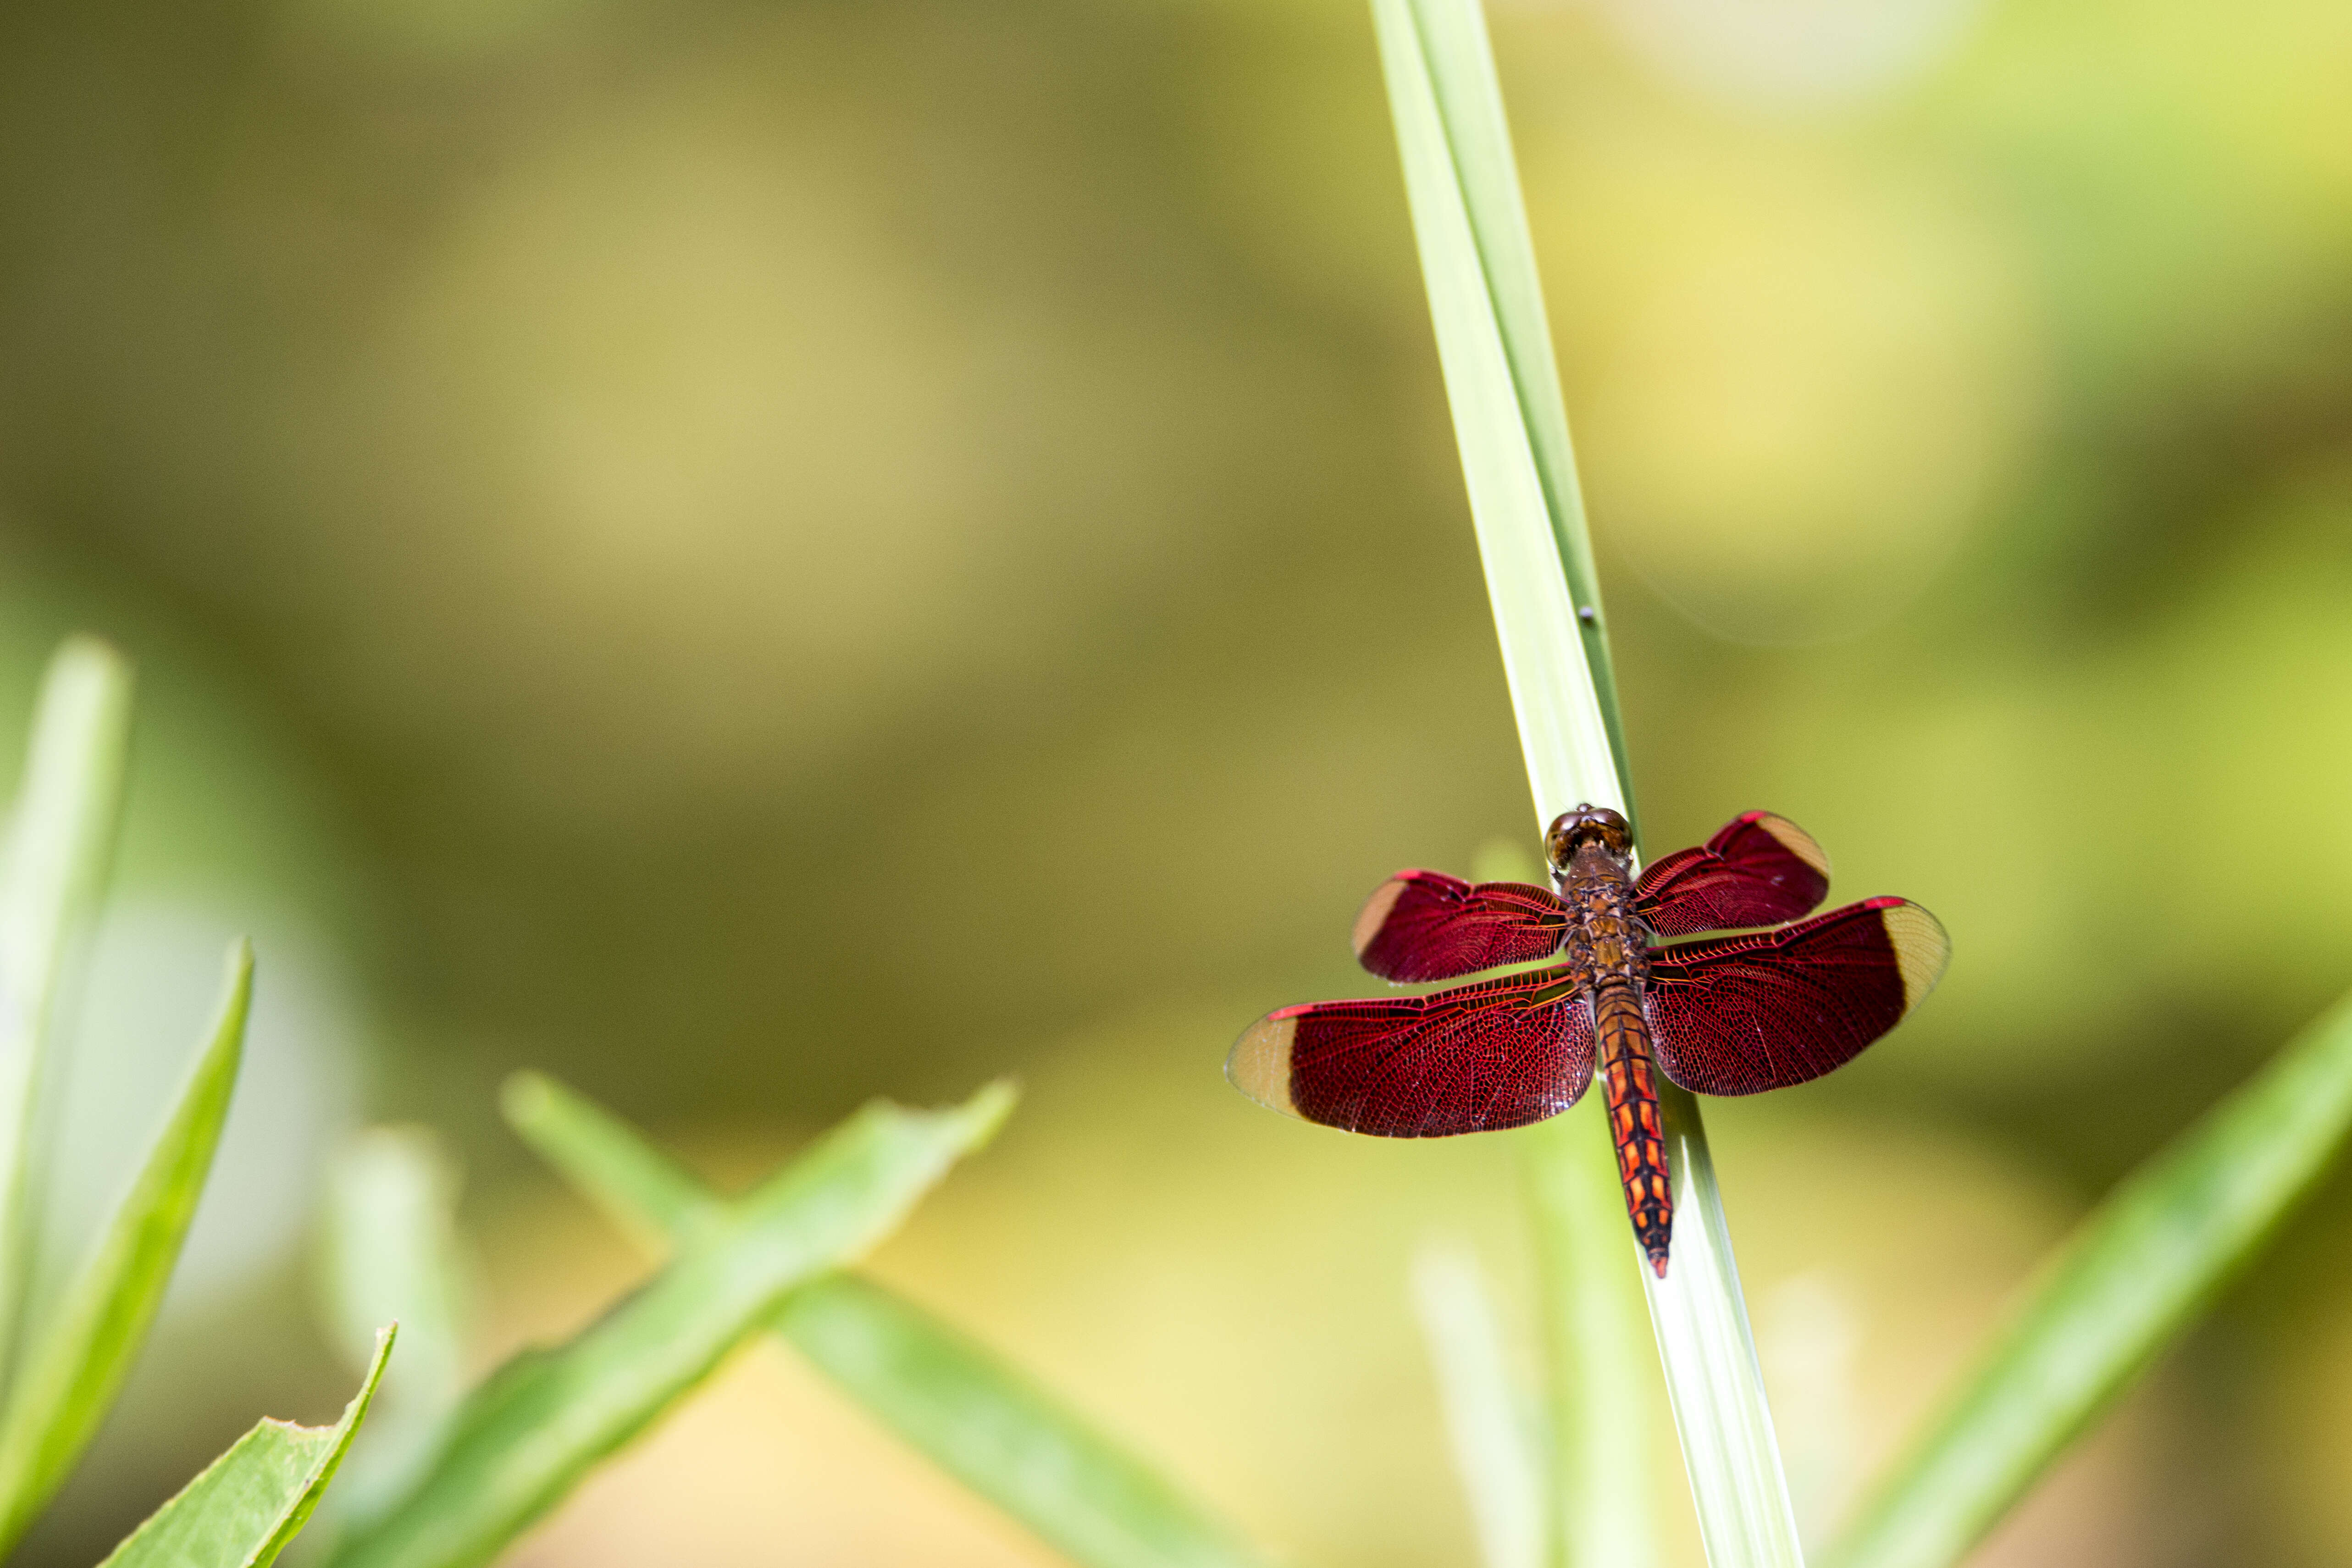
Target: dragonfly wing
{"type": "Point", "coordinates": [1426, 925]}
{"type": "Point", "coordinates": [1738, 1014]}
{"type": "Point", "coordinates": [1759, 870]}
{"type": "Point", "coordinates": [1500, 1053]}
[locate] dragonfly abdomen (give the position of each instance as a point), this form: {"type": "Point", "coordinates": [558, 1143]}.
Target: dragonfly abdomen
{"type": "Point", "coordinates": [1621, 1031]}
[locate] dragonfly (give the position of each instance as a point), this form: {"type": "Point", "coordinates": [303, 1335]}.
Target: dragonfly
{"type": "Point", "coordinates": [1773, 999]}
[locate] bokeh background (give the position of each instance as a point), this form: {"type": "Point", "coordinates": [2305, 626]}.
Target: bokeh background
{"type": "Point", "coordinates": [752, 556]}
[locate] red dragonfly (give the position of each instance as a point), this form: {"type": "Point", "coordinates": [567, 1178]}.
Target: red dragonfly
{"type": "Point", "coordinates": [1725, 1015]}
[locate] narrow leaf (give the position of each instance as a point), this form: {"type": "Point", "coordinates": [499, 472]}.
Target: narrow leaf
{"type": "Point", "coordinates": [253, 1500]}
{"type": "Point", "coordinates": [1709, 1354]}
{"type": "Point", "coordinates": [1000, 1435]}
{"type": "Point", "coordinates": [1601, 1402]}
{"type": "Point", "coordinates": [86, 1348]}
{"type": "Point", "coordinates": [650, 1196]}
{"type": "Point", "coordinates": [947, 1398]}
{"type": "Point", "coordinates": [527, 1436]}
{"type": "Point", "coordinates": [1563, 735]}
{"type": "Point", "coordinates": [1456, 148]}
{"type": "Point", "coordinates": [1461, 68]}
{"type": "Point", "coordinates": [59, 838]}
{"type": "Point", "coordinates": [1494, 1450]}
{"type": "Point", "coordinates": [2138, 1271]}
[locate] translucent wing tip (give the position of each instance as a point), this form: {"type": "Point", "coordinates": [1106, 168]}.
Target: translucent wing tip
{"type": "Point", "coordinates": [1922, 948]}
{"type": "Point", "coordinates": [1260, 1063]}
{"type": "Point", "coordinates": [1792, 838]}
{"type": "Point", "coordinates": [1376, 911]}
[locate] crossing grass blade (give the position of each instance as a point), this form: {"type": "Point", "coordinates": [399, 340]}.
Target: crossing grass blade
{"type": "Point", "coordinates": [86, 1348]}
{"type": "Point", "coordinates": [649, 1196]}
{"type": "Point", "coordinates": [2140, 1269]}
{"type": "Point", "coordinates": [59, 839]}
{"type": "Point", "coordinates": [1479, 268]}
{"type": "Point", "coordinates": [525, 1437]}
{"type": "Point", "coordinates": [253, 1500]}
{"type": "Point", "coordinates": [945, 1396]}
{"type": "Point", "coordinates": [1003, 1438]}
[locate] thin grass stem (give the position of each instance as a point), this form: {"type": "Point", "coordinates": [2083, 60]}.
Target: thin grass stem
{"type": "Point", "coordinates": [58, 845]}
{"type": "Point", "coordinates": [1493, 348]}
{"type": "Point", "coordinates": [1494, 1443]}
{"type": "Point", "coordinates": [2135, 1274]}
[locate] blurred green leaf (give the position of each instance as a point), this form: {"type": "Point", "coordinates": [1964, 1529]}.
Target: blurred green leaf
{"type": "Point", "coordinates": [995, 1431]}
{"type": "Point", "coordinates": [1497, 1444]}
{"type": "Point", "coordinates": [253, 1500]}
{"type": "Point", "coordinates": [61, 838]}
{"type": "Point", "coordinates": [1479, 268]}
{"type": "Point", "coordinates": [391, 1242]}
{"type": "Point", "coordinates": [525, 1437]}
{"type": "Point", "coordinates": [1601, 1402]}
{"type": "Point", "coordinates": [391, 1255]}
{"type": "Point", "coordinates": [947, 1397]}
{"type": "Point", "coordinates": [640, 1189]}
{"type": "Point", "coordinates": [85, 1350]}
{"type": "Point", "coordinates": [2138, 1271]}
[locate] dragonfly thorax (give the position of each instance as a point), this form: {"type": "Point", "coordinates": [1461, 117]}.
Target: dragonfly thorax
{"type": "Point", "coordinates": [1605, 939]}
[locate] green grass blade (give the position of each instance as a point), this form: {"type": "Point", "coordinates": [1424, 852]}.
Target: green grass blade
{"type": "Point", "coordinates": [946, 1397]}
{"type": "Point", "coordinates": [535, 1428]}
{"type": "Point", "coordinates": [1709, 1354]}
{"type": "Point", "coordinates": [1601, 1403]}
{"type": "Point", "coordinates": [999, 1435]}
{"type": "Point", "coordinates": [391, 1255]}
{"type": "Point", "coordinates": [1449, 123]}
{"type": "Point", "coordinates": [1496, 1446]}
{"type": "Point", "coordinates": [1562, 731]}
{"type": "Point", "coordinates": [1460, 64]}
{"type": "Point", "coordinates": [2137, 1273]}
{"type": "Point", "coordinates": [86, 1348]}
{"type": "Point", "coordinates": [253, 1500]}
{"type": "Point", "coordinates": [60, 837]}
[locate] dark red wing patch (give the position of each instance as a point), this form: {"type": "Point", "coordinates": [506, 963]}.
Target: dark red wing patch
{"type": "Point", "coordinates": [1501, 1053]}
{"type": "Point", "coordinates": [1738, 1015]}
{"type": "Point", "coordinates": [1759, 870]}
{"type": "Point", "coordinates": [1426, 925]}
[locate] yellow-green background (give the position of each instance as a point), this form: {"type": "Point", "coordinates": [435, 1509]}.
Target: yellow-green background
{"type": "Point", "coordinates": [752, 556]}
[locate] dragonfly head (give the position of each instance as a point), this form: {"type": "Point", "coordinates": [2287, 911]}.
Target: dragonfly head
{"type": "Point", "coordinates": [1593, 825]}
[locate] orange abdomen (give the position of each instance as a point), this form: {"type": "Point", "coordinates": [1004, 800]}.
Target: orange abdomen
{"type": "Point", "coordinates": [1622, 1036]}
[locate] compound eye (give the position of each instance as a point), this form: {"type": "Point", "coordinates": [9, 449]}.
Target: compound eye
{"type": "Point", "coordinates": [1558, 847]}
{"type": "Point", "coordinates": [1586, 823]}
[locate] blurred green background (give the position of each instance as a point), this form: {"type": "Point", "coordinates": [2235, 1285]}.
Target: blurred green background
{"type": "Point", "coordinates": [752, 556]}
